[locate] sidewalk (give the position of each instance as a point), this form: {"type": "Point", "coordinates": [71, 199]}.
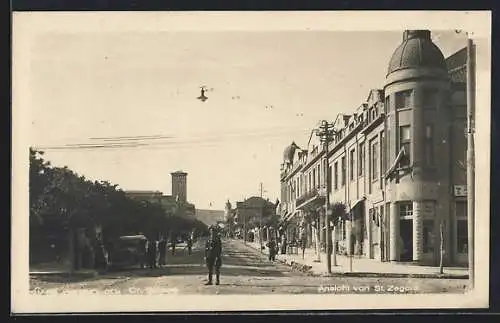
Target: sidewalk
{"type": "Point", "coordinates": [59, 269]}
{"type": "Point", "coordinates": [362, 266]}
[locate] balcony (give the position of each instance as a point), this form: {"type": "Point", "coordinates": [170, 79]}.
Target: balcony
{"type": "Point", "coordinates": [311, 197]}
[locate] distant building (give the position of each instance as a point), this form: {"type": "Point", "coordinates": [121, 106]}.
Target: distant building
{"type": "Point", "coordinates": [210, 217]}
{"type": "Point", "coordinates": [179, 185]}
{"type": "Point", "coordinates": [173, 204]}
{"type": "Point", "coordinates": [398, 163]}
{"type": "Point", "coordinates": [254, 213]}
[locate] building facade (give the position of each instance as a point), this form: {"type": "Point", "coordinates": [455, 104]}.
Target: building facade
{"type": "Point", "coordinates": [398, 163]}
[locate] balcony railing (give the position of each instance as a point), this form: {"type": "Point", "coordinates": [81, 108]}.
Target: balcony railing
{"type": "Point", "coordinates": [315, 192]}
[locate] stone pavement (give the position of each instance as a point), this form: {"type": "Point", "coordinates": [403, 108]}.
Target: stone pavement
{"type": "Point", "coordinates": [363, 266]}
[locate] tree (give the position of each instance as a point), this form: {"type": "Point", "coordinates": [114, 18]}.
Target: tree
{"type": "Point", "coordinates": [337, 213]}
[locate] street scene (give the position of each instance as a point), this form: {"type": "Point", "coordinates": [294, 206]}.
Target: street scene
{"type": "Point", "coordinates": [245, 270]}
{"type": "Point", "coordinates": [250, 162]}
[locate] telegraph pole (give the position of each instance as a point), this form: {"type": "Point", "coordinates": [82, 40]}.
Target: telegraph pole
{"type": "Point", "coordinates": [260, 220]}
{"type": "Point", "coordinates": [326, 133]}
{"type": "Point", "coordinates": [470, 158]}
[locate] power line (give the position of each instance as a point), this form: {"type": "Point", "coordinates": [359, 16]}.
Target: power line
{"type": "Point", "coordinates": [140, 142]}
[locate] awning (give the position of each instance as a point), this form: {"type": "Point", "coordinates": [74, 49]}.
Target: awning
{"type": "Point", "coordinates": [290, 215]}
{"type": "Point", "coordinates": [357, 203]}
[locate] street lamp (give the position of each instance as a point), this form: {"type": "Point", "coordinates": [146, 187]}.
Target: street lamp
{"type": "Point", "coordinates": [326, 132]}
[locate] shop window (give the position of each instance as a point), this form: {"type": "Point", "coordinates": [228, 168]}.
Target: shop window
{"type": "Point", "coordinates": [462, 237]}
{"type": "Point", "coordinates": [462, 229]}
{"type": "Point", "coordinates": [428, 236]}
{"type": "Point", "coordinates": [403, 99]}
{"type": "Point", "coordinates": [405, 210]}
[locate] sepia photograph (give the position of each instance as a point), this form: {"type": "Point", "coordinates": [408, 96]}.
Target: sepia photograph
{"type": "Point", "coordinates": [189, 161]}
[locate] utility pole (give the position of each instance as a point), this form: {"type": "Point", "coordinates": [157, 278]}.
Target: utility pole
{"type": "Point", "coordinates": [326, 133]}
{"type": "Point", "coordinates": [260, 220]}
{"type": "Point", "coordinates": [470, 158]}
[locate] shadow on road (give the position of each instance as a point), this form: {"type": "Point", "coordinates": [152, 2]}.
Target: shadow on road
{"type": "Point", "coordinates": [237, 260]}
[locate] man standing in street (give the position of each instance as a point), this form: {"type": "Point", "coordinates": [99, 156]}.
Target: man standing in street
{"type": "Point", "coordinates": [213, 256]}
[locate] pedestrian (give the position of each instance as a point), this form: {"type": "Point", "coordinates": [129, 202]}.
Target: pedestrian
{"type": "Point", "coordinates": [173, 241]}
{"type": "Point", "coordinates": [283, 244]}
{"type": "Point", "coordinates": [213, 256]}
{"type": "Point", "coordinates": [162, 248]}
{"type": "Point", "coordinates": [272, 246]}
{"type": "Point", "coordinates": [189, 245]}
{"type": "Point", "coordinates": [152, 253]}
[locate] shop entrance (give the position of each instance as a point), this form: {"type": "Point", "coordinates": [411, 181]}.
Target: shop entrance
{"type": "Point", "coordinates": [406, 233]}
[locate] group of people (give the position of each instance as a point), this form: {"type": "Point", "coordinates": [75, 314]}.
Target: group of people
{"type": "Point", "coordinates": [156, 251]}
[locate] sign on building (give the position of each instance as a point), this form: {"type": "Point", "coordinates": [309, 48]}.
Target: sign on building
{"type": "Point", "coordinates": [460, 190]}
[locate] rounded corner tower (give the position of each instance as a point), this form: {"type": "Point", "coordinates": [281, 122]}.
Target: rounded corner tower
{"type": "Point", "coordinates": [416, 92]}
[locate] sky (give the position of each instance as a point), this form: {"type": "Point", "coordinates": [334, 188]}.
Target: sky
{"type": "Point", "coordinates": [144, 85]}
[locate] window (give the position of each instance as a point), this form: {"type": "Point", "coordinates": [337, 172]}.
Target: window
{"type": "Point", "coordinates": [405, 210]}
{"type": "Point", "coordinates": [405, 142]}
{"type": "Point", "coordinates": [430, 98]}
{"type": "Point", "coordinates": [387, 105]}
{"type": "Point", "coordinates": [383, 165]}
{"type": "Point", "coordinates": [374, 165]}
{"type": "Point", "coordinates": [403, 100]}
{"type": "Point", "coordinates": [429, 145]}
{"type": "Point", "coordinates": [361, 160]}
{"type": "Point", "coordinates": [428, 236]}
{"type": "Point", "coordinates": [336, 179]}
{"type": "Point", "coordinates": [372, 114]}
{"type": "Point", "coordinates": [314, 178]}
{"type": "Point", "coordinates": [319, 175]}
{"type": "Point", "coordinates": [310, 182]}
{"type": "Point", "coordinates": [343, 170]}
{"type": "Point", "coordinates": [329, 178]}
{"type": "Point", "coordinates": [462, 229]}
{"type": "Point", "coordinates": [351, 165]}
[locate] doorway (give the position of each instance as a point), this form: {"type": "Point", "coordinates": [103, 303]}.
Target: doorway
{"type": "Point", "coordinates": [406, 232]}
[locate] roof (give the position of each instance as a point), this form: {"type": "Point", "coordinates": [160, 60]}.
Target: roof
{"type": "Point", "coordinates": [416, 51]}
{"type": "Point", "coordinates": [457, 66]}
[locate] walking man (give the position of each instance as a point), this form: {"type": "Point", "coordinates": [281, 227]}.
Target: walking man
{"type": "Point", "coordinates": [273, 249]}
{"type": "Point", "coordinates": [213, 256]}
{"type": "Point", "coordinates": [162, 248]}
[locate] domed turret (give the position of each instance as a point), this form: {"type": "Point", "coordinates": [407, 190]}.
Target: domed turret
{"type": "Point", "coordinates": [289, 153]}
{"type": "Point", "coordinates": [416, 51]}
{"type": "Point", "coordinates": [415, 56]}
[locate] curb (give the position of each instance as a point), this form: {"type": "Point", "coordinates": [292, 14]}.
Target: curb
{"type": "Point", "coordinates": [307, 269]}
{"type": "Point", "coordinates": [65, 274]}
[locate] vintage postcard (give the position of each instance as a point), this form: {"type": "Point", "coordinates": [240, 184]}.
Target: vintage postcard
{"type": "Point", "coordinates": [215, 161]}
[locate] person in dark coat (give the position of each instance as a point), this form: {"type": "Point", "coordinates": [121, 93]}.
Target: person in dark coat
{"type": "Point", "coordinates": [162, 249]}
{"type": "Point", "coordinates": [213, 256]}
{"type": "Point", "coordinates": [173, 241]}
{"type": "Point", "coordinates": [152, 252]}
{"type": "Point", "coordinates": [189, 244]}
{"type": "Point", "coordinates": [273, 249]}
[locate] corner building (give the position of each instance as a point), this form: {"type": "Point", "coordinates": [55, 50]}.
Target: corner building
{"type": "Point", "coordinates": [398, 163]}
